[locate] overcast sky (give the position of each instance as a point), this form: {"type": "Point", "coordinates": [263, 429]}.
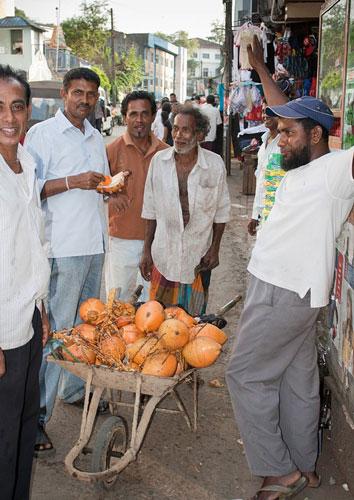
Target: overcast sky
{"type": "Point", "coordinates": [138, 16]}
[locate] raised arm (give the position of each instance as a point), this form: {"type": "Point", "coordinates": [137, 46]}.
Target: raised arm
{"type": "Point", "coordinates": [273, 94]}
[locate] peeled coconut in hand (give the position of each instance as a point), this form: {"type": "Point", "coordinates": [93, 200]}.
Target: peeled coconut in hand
{"type": "Point", "coordinates": [112, 184]}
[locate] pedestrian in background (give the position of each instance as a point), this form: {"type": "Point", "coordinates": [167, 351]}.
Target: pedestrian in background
{"type": "Point", "coordinates": [211, 111]}
{"type": "Point", "coordinates": [167, 127]}
{"type": "Point", "coordinates": [269, 146]}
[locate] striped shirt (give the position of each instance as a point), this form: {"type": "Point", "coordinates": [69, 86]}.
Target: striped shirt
{"type": "Point", "coordinates": [24, 268]}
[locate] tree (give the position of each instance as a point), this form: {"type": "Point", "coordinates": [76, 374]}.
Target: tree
{"type": "Point", "coordinates": [179, 38]}
{"type": "Point", "coordinates": [20, 12]}
{"type": "Point", "coordinates": [129, 70]}
{"type": "Point", "coordinates": [103, 78]}
{"type": "Point", "coordinates": [217, 31]}
{"type": "Point", "coordinates": [87, 34]}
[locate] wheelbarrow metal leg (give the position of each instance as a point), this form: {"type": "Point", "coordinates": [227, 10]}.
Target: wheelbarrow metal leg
{"type": "Point", "coordinates": [136, 413]}
{"type": "Point", "coordinates": [181, 408]}
{"type": "Point", "coordinates": [88, 419]}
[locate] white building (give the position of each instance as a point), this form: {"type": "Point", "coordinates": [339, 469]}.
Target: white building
{"type": "Point", "coordinates": [180, 88]}
{"type": "Point", "coordinates": [204, 63]}
{"type": "Point", "coordinates": [20, 40]}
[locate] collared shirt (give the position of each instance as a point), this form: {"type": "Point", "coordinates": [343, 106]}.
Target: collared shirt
{"type": "Point", "coordinates": [296, 247]}
{"type": "Point", "coordinates": [263, 155]}
{"type": "Point", "coordinates": [177, 250]}
{"type": "Point", "coordinates": [157, 125]}
{"type": "Point", "coordinates": [75, 219]}
{"type": "Point", "coordinates": [24, 268]}
{"type": "Point", "coordinates": [124, 155]}
{"type": "Point", "coordinates": [214, 119]}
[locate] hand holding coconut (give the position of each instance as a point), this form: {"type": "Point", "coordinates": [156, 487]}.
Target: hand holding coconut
{"type": "Point", "coordinates": [86, 181]}
{"type": "Point", "coordinates": [113, 184]}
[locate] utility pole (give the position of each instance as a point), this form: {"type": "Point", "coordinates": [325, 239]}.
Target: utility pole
{"type": "Point", "coordinates": [227, 81]}
{"type": "Point", "coordinates": [57, 38]}
{"type": "Point", "coordinates": [113, 71]}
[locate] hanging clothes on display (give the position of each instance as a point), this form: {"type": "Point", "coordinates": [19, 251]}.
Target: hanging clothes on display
{"type": "Point", "coordinates": [243, 37]}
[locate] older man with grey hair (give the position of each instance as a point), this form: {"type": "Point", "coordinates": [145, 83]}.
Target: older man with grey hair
{"type": "Point", "coordinates": [186, 205]}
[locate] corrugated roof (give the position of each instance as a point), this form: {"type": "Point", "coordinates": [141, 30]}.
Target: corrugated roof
{"type": "Point", "coordinates": [18, 22]}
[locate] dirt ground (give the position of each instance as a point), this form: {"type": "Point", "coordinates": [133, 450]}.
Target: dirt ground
{"type": "Point", "coordinates": [173, 462]}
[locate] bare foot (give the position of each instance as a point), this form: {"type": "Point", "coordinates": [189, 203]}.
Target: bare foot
{"type": "Point", "coordinates": [313, 478]}
{"type": "Point", "coordinates": [286, 480]}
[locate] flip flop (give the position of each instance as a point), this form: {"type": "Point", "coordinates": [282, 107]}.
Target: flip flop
{"type": "Point", "coordinates": [285, 492]}
{"type": "Point", "coordinates": [318, 484]}
{"type": "Point", "coordinates": [43, 439]}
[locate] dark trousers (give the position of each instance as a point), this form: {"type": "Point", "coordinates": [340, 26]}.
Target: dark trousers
{"type": "Point", "coordinates": [19, 413]}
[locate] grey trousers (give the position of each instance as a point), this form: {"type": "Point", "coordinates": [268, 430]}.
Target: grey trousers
{"type": "Point", "coordinates": [273, 380]}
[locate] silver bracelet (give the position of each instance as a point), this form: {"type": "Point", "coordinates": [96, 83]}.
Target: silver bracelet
{"type": "Point", "coordinates": [67, 184]}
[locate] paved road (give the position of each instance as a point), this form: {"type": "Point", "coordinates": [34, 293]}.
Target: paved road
{"type": "Point", "coordinates": [117, 132]}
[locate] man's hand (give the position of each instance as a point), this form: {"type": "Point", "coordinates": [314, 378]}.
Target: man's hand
{"type": "Point", "coordinates": [87, 181]}
{"type": "Point", "coordinates": [210, 259]}
{"type": "Point", "coordinates": [252, 226]}
{"type": "Point", "coordinates": [45, 327]}
{"type": "Point", "coordinates": [145, 266]}
{"type": "Point", "coordinates": [103, 189]}
{"type": "Point", "coordinates": [2, 363]}
{"type": "Point", "coordinates": [255, 54]}
{"type": "Point", "coordinates": [119, 201]}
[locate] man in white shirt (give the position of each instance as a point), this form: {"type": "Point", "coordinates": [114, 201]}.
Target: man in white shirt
{"type": "Point", "coordinates": [272, 374]}
{"type": "Point", "coordinates": [24, 275]}
{"type": "Point", "coordinates": [186, 205]}
{"type": "Point", "coordinates": [211, 111]}
{"type": "Point", "coordinates": [269, 146]}
{"type": "Point", "coordinates": [71, 162]}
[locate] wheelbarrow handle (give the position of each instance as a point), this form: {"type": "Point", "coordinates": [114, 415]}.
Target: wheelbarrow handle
{"type": "Point", "coordinates": [229, 305]}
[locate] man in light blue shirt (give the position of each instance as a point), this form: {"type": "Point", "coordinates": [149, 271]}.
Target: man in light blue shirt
{"type": "Point", "coordinates": [71, 161]}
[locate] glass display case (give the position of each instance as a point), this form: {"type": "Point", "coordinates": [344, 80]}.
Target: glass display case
{"type": "Point", "coordinates": [336, 68]}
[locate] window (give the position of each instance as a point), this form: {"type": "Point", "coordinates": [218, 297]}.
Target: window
{"type": "Point", "coordinates": [157, 59]}
{"type": "Point", "coordinates": [16, 42]}
{"type": "Point", "coordinates": [205, 56]}
{"type": "Point", "coordinates": [194, 55]}
{"type": "Point", "coordinates": [205, 72]}
{"type": "Point", "coordinates": [192, 71]}
{"type": "Point", "coordinates": [218, 56]}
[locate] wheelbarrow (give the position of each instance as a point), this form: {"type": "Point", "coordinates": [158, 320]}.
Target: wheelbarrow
{"type": "Point", "coordinates": [111, 453]}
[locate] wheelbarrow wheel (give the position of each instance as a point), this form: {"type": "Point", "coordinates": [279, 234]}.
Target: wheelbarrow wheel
{"type": "Point", "coordinates": [110, 446]}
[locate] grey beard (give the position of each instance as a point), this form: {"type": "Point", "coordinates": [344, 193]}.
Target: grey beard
{"type": "Point", "coordinates": [187, 148]}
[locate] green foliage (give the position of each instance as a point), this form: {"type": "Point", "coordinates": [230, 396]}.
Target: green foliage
{"type": "Point", "coordinates": [103, 77]}
{"type": "Point", "coordinates": [87, 34]}
{"type": "Point", "coordinates": [179, 38]}
{"type": "Point", "coordinates": [20, 12]}
{"type": "Point", "coordinates": [217, 31]}
{"type": "Point", "coordinates": [332, 44]}
{"type": "Point", "coordinates": [129, 71]}
{"type": "Point", "coordinates": [332, 81]}
{"type": "Point", "coordinates": [192, 63]}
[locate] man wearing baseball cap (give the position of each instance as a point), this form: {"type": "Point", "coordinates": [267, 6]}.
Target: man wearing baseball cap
{"type": "Point", "coordinates": [272, 374]}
